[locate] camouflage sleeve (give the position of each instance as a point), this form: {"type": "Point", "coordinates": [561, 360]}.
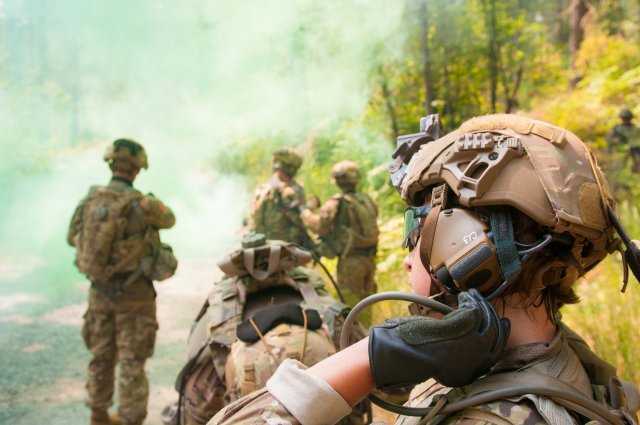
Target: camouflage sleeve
{"type": "Point", "coordinates": [256, 211]}
{"type": "Point", "coordinates": [309, 400]}
{"type": "Point", "coordinates": [156, 213]}
{"type": "Point", "coordinates": [323, 222]}
{"type": "Point", "coordinates": [293, 197]}
{"type": "Point", "coordinates": [259, 407]}
{"type": "Point", "coordinates": [74, 225]}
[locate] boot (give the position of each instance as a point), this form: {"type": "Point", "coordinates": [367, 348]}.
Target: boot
{"type": "Point", "coordinates": [99, 417]}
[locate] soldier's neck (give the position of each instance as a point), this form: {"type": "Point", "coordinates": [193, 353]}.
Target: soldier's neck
{"type": "Point", "coordinates": [529, 325]}
{"type": "Point", "coordinates": [283, 177]}
{"type": "Point", "coordinates": [121, 180]}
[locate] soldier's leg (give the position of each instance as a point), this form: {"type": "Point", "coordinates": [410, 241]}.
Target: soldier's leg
{"type": "Point", "coordinates": [135, 338]}
{"type": "Point", "coordinates": [370, 285]}
{"type": "Point", "coordinates": [352, 275]}
{"type": "Point", "coordinates": [98, 333]}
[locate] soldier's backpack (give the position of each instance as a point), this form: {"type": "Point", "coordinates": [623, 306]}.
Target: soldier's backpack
{"type": "Point", "coordinates": [355, 229]}
{"type": "Point", "coordinates": [104, 219]}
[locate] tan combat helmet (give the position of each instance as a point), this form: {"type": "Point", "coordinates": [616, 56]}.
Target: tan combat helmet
{"type": "Point", "coordinates": [127, 150]}
{"type": "Point", "coordinates": [287, 160]}
{"type": "Point", "coordinates": [346, 173]}
{"type": "Point", "coordinates": [500, 160]}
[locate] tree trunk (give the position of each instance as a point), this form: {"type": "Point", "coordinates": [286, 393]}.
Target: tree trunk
{"type": "Point", "coordinates": [512, 98]}
{"type": "Point", "coordinates": [388, 103]}
{"type": "Point", "coordinates": [492, 53]}
{"type": "Point", "coordinates": [578, 9]}
{"type": "Point", "coordinates": [426, 63]}
{"type": "Point", "coordinates": [448, 108]}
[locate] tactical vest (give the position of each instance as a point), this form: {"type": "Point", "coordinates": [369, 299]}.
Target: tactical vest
{"type": "Point", "coordinates": [355, 230]}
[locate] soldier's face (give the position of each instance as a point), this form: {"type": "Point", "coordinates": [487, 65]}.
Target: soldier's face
{"type": "Point", "coordinates": [419, 278]}
{"type": "Point", "coordinates": [422, 283]}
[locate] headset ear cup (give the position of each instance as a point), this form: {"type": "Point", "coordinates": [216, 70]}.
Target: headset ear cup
{"type": "Point", "coordinates": [463, 255]}
{"type": "Point", "coordinates": [476, 268]}
{"type": "Point", "coordinates": [444, 277]}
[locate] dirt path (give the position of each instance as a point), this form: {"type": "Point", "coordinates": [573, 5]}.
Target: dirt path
{"type": "Point", "coordinates": [43, 360]}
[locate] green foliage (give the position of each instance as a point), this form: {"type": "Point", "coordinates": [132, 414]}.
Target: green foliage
{"type": "Point", "coordinates": [607, 318]}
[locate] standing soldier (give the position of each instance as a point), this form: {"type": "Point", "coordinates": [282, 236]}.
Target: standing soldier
{"type": "Point", "coordinates": [274, 211]}
{"type": "Point", "coordinates": [346, 223]}
{"type": "Point", "coordinates": [624, 139]}
{"type": "Point", "coordinates": [115, 232]}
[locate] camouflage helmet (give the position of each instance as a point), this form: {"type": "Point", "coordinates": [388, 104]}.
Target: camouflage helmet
{"type": "Point", "coordinates": [625, 114]}
{"type": "Point", "coordinates": [134, 153]}
{"type": "Point", "coordinates": [346, 173]}
{"type": "Point", "coordinates": [542, 170]}
{"type": "Point", "coordinates": [288, 156]}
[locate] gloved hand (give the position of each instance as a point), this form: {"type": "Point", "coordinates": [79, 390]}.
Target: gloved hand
{"type": "Point", "coordinates": [461, 347]}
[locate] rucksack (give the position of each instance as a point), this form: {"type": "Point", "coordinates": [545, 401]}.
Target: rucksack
{"type": "Point", "coordinates": [355, 227]}
{"type": "Point", "coordinates": [205, 384]}
{"type": "Point", "coordinates": [104, 219]}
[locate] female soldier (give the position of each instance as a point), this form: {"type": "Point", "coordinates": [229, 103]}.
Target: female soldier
{"type": "Point", "coordinates": [505, 209]}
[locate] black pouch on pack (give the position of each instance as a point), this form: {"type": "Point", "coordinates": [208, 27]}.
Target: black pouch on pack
{"type": "Point", "coordinates": [271, 317]}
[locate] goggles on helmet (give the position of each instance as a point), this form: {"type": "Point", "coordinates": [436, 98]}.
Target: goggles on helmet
{"type": "Point", "coordinates": [412, 226]}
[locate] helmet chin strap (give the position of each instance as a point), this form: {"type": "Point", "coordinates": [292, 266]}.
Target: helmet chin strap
{"type": "Point", "coordinates": [438, 202]}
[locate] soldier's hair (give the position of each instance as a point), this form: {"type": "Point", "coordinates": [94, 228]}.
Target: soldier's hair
{"type": "Point", "coordinates": [538, 284]}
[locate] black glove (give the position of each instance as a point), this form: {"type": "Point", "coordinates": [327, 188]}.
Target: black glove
{"type": "Point", "coordinates": [461, 347]}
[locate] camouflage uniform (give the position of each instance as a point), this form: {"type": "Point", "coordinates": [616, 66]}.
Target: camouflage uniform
{"type": "Point", "coordinates": [341, 230]}
{"type": "Point", "coordinates": [274, 211]}
{"type": "Point", "coordinates": [561, 359]}
{"type": "Point", "coordinates": [623, 141]}
{"type": "Point", "coordinates": [235, 368]}
{"type": "Point", "coordinates": [120, 322]}
{"type": "Point", "coordinates": [275, 206]}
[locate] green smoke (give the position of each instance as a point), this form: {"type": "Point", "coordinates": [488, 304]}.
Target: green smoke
{"type": "Point", "coordinates": [187, 80]}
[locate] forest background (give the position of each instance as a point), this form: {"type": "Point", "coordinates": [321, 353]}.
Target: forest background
{"type": "Point", "coordinates": [212, 88]}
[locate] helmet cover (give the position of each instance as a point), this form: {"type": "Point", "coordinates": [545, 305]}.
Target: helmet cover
{"type": "Point", "coordinates": [127, 150]}
{"type": "Point", "coordinates": [288, 156]}
{"type": "Point", "coordinates": [542, 170]}
{"type": "Point", "coordinates": [346, 173]}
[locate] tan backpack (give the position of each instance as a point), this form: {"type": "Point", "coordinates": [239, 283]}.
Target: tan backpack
{"type": "Point", "coordinates": [104, 219]}
{"type": "Point", "coordinates": [355, 227]}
